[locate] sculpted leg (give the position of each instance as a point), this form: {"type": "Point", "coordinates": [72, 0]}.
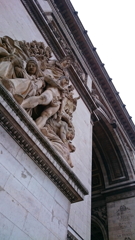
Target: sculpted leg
{"type": "Point", "coordinates": [31, 102]}
{"type": "Point", "coordinates": [46, 114]}
{"type": "Point", "coordinates": [41, 121]}
{"type": "Point", "coordinates": [44, 99]}
{"type": "Point", "coordinates": [8, 85]}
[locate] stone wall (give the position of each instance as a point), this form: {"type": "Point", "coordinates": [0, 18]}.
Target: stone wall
{"type": "Point", "coordinates": [16, 22]}
{"type": "Point", "coordinates": [121, 219]}
{"type": "Point", "coordinates": [22, 27]}
{"type": "Point", "coordinates": [81, 212]}
{"type": "Point", "coordinates": [32, 207]}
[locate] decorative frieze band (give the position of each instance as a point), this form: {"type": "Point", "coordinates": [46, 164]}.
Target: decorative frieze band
{"type": "Point", "coordinates": [23, 130]}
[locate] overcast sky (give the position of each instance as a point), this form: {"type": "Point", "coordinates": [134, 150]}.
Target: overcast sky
{"type": "Point", "coordinates": [111, 28]}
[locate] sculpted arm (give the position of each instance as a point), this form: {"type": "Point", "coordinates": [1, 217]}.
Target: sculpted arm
{"type": "Point", "coordinates": [63, 132]}
{"type": "Point", "coordinates": [52, 82]}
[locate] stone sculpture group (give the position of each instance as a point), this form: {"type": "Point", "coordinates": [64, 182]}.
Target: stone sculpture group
{"type": "Point", "coordinates": [42, 87]}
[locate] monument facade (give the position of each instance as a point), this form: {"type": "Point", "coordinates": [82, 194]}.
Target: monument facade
{"type": "Point", "coordinates": [67, 158]}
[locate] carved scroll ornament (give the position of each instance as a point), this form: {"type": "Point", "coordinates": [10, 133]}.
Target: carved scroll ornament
{"type": "Point", "coordinates": [42, 87]}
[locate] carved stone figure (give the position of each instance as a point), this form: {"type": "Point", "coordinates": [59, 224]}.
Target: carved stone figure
{"type": "Point", "coordinates": [28, 82]}
{"type": "Point", "coordinates": [68, 106]}
{"type": "Point", "coordinates": [56, 69]}
{"type": "Point", "coordinates": [50, 97]}
{"type": "Point", "coordinates": [60, 135]}
{"type": "Point", "coordinates": [54, 95]}
{"type": "Point", "coordinates": [41, 86]}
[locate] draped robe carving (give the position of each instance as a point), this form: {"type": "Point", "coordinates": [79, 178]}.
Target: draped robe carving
{"type": "Point", "coordinates": [41, 86]}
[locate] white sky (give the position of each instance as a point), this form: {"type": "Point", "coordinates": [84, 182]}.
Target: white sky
{"type": "Point", "coordinates": [111, 28]}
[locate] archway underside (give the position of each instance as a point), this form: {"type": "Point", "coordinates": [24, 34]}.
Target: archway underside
{"type": "Point", "coordinates": [108, 168]}
{"type": "Point", "coordinates": [96, 233]}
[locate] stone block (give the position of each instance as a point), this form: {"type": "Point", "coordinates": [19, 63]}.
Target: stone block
{"type": "Point", "coordinates": [30, 167]}
{"type": "Point", "coordinates": [62, 200]}
{"type": "Point", "coordinates": [7, 160]}
{"type": "Point", "coordinates": [45, 217]}
{"type": "Point", "coordinates": [41, 194]}
{"type": "Point", "coordinates": [23, 175]}
{"type": "Point", "coordinates": [17, 234]}
{"type": "Point", "coordinates": [35, 229]}
{"type": "Point", "coordinates": [58, 229]}
{"type": "Point", "coordinates": [23, 196]}
{"type": "Point", "coordinates": [121, 219]}
{"type": "Point", "coordinates": [62, 232]}
{"type": "Point", "coordinates": [8, 142]}
{"type": "Point", "coordinates": [39, 176]}
{"type": "Point", "coordinates": [26, 162]}
{"type": "Point", "coordinates": [6, 228]}
{"type": "Point", "coordinates": [23, 27]}
{"type": "Point", "coordinates": [52, 237]}
{"type": "Point", "coordinates": [49, 186]}
{"type": "Point", "coordinates": [60, 214]}
{"type": "Point", "coordinates": [12, 210]}
{"type": "Point", "coordinates": [4, 175]}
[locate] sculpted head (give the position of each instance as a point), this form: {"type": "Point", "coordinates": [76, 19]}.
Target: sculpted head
{"type": "Point", "coordinates": [64, 81]}
{"type": "Point", "coordinates": [66, 61]}
{"type": "Point", "coordinates": [70, 134]}
{"type": "Point", "coordinates": [32, 66]}
{"type": "Point", "coordinates": [48, 52]}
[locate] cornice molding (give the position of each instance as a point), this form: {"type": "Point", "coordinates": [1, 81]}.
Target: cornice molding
{"type": "Point", "coordinates": [23, 130]}
{"type": "Point", "coordinates": [117, 192]}
{"type": "Point", "coordinates": [89, 56]}
{"type": "Point", "coordinates": [38, 16]}
{"type": "Point", "coordinates": [66, 12]}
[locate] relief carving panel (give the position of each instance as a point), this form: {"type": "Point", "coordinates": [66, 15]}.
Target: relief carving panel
{"type": "Point", "coordinates": [41, 85]}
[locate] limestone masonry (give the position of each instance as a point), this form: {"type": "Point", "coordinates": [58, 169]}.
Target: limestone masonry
{"type": "Point", "coordinates": [67, 144]}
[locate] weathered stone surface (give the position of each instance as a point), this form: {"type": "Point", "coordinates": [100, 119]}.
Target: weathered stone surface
{"type": "Point", "coordinates": [121, 219]}
{"type": "Point", "coordinates": [21, 24]}
{"type": "Point", "coordinates": [30, 195]}
{"type": "Point", "coordinates": [27, 202]}
{"type": "Point", "coordinates": [18, 234]}
{"type": "Point", "coordinates": [6, 227]}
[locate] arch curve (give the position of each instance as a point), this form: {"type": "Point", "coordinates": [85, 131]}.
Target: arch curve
{"type": "Point", "coordinates": [98, 231]}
